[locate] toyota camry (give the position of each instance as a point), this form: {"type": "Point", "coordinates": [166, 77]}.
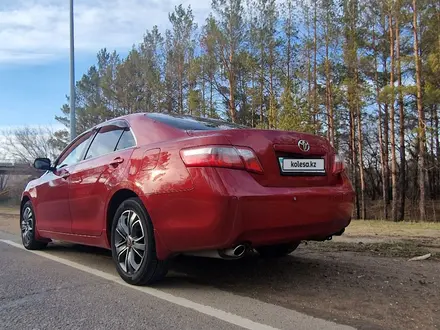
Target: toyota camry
{"type": "Point", "coordinates": [151, 186]}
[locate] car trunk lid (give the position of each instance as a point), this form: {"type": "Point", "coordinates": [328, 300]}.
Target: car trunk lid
{"type": "Point", "coordinates": [273, 147]}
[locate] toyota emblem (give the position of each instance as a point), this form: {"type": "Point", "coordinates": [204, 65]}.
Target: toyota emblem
{"type": "Point", "coordinates": [303, 145]}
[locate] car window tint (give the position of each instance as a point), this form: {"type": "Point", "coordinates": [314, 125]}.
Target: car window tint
{"type": "Point", "coordinates": [126, 140]}
{"type": "Point", "coordinates": [74, 156]}
{"type": "Point", "coordinates": [192, 123]}
{"type": "Point", "coordinates": [105, 141]}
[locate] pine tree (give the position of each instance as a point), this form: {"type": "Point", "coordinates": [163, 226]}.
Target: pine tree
{"type": "Point", "coordinates": [210, 61]}
{"type": "Point", "coordinates": [150, 51]}
{"type": "Point", "coordinates": [421, 115]}
{"type": "Point", "coordinates": [402, 173]}
{"type": "Point", "coordinates": [182, 42]}
{"type": "Point", "coordinates": [229, 41]}
{"type": "Point", "coordinates": [392, 115]}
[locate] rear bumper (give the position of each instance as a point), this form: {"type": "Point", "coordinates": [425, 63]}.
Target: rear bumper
{"type": "Point", "coordinates": [305, 215]}
{"type": "Point", "coordinates": [231, 208]}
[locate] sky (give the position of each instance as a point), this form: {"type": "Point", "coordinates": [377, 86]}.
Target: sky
{"type": "Point", "coordinates": [34, 47]}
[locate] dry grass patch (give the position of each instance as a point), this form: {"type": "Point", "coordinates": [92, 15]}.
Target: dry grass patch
{"type": "Point", "coordinates": [393, 229]}
{"type": "Point", "coordinates": [401, 249]}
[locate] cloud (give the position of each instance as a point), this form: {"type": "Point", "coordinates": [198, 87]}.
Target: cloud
{"type": "Point", "coordinates": [38, 30]}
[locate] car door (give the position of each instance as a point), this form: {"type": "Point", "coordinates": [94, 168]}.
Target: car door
{"type": "Point", "coordinates": [53, 207]}
{"type": "Point", "coordinates": [102, 168]}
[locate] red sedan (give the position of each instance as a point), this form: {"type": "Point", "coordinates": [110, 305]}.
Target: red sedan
{"type": "Point", "coordinates": [151, 186]}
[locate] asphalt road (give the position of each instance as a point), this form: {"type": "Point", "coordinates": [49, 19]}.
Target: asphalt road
{"type": "Point", "coordinates": [73, 287]}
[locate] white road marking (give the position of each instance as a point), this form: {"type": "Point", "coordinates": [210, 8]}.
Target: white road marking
{"type": "Point", "coordinates": [207, 310]}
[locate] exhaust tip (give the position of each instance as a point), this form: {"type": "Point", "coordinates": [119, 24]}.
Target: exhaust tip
{"type": "Point", "coordinates": [239, 250]}
{"type": "Point", "coordinates": [234, 253]}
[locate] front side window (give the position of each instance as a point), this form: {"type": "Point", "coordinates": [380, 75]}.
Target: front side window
{"type": "Point", "coordinates": [105, 141]}
{"type": "Point", "coordinates": [75, 153]}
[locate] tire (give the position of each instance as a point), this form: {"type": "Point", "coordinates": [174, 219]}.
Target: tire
{"type": "Point", "coordinates": [276, 251]}
{"type": "Point", "coordinates": [28, 227]}
{"type": "Point", "coordinates": [132, 230]}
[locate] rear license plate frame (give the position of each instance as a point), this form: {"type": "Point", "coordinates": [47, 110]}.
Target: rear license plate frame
{"type": "Point", "coordinates": [292, 172]}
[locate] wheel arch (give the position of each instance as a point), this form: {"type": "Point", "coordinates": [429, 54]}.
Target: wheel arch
{"type": "Point", "coordinates": [117, 198]}
{"type": "Point", "coordinates": [26, 197]}
{"type": "Point", "coordinates": [24, 200]}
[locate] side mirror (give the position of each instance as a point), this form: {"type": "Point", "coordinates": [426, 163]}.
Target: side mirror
{"type": "Point", "coordinates": [43, 164]}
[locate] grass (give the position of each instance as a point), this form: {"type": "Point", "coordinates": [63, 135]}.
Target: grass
{"type": "Point", "coordinates": [401, 249]}
{"type": "Point", "coordinates": [387, 239]}
{"type": "Point", "coordinates": [396, 229]}
{"type": "Point", "coordinates": [9, 209]}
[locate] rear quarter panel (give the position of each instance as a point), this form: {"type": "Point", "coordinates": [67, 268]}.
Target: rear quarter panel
{"type": "Point", "coordinates": [170, 193]}
{"type": "Point", "coordinates": [157, 168]}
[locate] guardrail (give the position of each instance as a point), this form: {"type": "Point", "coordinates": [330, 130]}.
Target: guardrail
{"type": "Point", "coordinates": [18, 169]}
{"type": "Point", "coordinates": [8, 161]}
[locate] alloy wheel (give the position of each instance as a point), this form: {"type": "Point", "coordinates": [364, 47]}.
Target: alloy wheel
{"type": "Point", "coordinates": [130, 242]}
{"type": "Point", "coordinates": [27, 225]}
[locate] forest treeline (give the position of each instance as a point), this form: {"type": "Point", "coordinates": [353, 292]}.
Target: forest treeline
{"type": "Point", "coordinates": [364, 74]}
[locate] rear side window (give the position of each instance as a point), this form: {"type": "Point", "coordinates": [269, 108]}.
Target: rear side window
{"type": "Point", "coordinates": [192, 123]}
{"type": "Point", "coordinates": [126, 140]}
{"type": "Point", "coordinates": [105, 141]}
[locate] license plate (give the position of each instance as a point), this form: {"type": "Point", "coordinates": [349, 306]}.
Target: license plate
{"type": "Point", "coordinates": [296, 165]}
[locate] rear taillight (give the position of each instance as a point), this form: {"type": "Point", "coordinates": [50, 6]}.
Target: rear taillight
{"type": "Point", "coordinates": [251, 162]}
{"type": "Point", "coordinates": [222, 156]}
{"type": "Point", "coordinates": [338, 164]}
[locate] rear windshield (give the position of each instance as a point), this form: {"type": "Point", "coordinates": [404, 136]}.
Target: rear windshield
{"type": "Point", "coordinates": [190, 123]}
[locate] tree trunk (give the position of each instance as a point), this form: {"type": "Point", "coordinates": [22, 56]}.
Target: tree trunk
{"type": "Point", "coordinates": [402, 173]}
{"type": "Point", "coordinates": [328, 85]}
{"type": "Point", "coordinates": [181, 88]}
{"type": "Point", "coordinates": [253, 103]}
{"type": "Point", "coordinates": [309, 73]}
{"type": "Point", "coordinates": [431, 171]}
{"type": "Point", "coordinates": [379, 128]}
{"type": "Point", "coordinates": [271, 91]}
{"type": "Point", "coordinates": [232, 88]}
{"type": "Point", "coordinates": [203, 90]}
{"type": "Point", "coordinates": [386, 132]}
{"type": "Point", "coordinates": [211, 93]}
{"type": "Point", "coordinates": [363, 212]}
{"type": "Point", "coordinates": [353, 152]}
{"type": "Point", "coordinates": [392, 121]}
{"type": "Point", "coordinates": [289, 45]}
{"type": "Point", "coordinates": [315, 75]}
{"type": "Point", "coordinates": [437, 148]}
{"type": "Point", "coordinates": [261, 84]}
{"type": "Point", "coordinates": [350, 60]}
{"type": "Point", "coordinates": [421, 116]}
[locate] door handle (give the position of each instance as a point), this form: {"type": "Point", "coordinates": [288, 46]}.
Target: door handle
{"type": "Point", "coordinates": [115, 162]}
{"type": "Point", "coordinates": [65, 176]}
